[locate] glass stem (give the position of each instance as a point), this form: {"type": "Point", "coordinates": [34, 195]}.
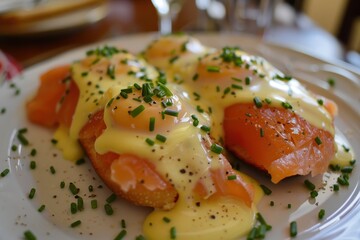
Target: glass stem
{"type": "Point", "coordinates": [165, 25]}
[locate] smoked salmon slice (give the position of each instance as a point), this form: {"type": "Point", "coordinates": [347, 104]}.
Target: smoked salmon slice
{"type": "Point", "coordinates": [277, 140]}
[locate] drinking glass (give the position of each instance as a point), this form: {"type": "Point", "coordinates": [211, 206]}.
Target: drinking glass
{"type": "Point", "coordinates": [167, 11]}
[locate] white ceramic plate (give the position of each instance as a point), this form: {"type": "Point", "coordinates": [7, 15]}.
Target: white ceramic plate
{"type": "Point", "coordinates": [18, 213]}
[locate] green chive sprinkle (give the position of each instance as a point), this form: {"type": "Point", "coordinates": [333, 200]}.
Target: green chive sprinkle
{"type": "Point", "coordinates": [231, 177]}
{"type": "Point", "coordinates": [73, 208]}
{"type": "Point", "coordinates": [29, 235]}
{"type": "Point", "coordinates": [22, 139]}
{"type": "Point", "coordinates": [261, 219]}
{"type": "Point", "coordinates": [171, 112]}
{"type": "Point", "coordinates": [320, 102]}
{"type": "Point", "coordinates": [257, 102]}
{"type": "Point", "coordinates": [309, 185]}
{"type": "Point", "coordinates": [343, 181]}
{"type": "Point", "coordinates": [293, 229]}
{"type": "Point", "coordinates": [236, 86]}
{"type": "Point", "coordinates": [75, 224]}
{"type": "Point", "coordinates": [318, 141]}
{"type": "Point", "coordinates": [314, 194]}
{"type": "Point", "coordinates": [261, 231]}
{"type": "Point", "coordinates": [247, 80]}
{"type": "Point", "coordinates": [73, 189]}
{"type": "Point", "coordinates": [272, 203]}
{"type": "Point", "coordinates": [54, 141]}
{"type": "Point", "coordinates": [80, 204]}
{"type": "Point", "coordinates": [213, 69]}
{"type": "Point", "coordinates": [173, 59]}
{"type": "Point", "coordinates": [195, 77]}
{"type": "Point", "coordinates": [90, 188]}
{"type": "Point", "coordinates": [3, 110]}
{"type": "Point", "coordinates": [93, 204]}
{"type": "Point", "coordinates": [149, 141]}
{"type": "Point", "coordinates": [14, 148]}
{"type": "Point", "coordinates": [32, 165]}
{"type": "Point", "coordinates": [121, 235]}
{"type": "Point", "coordinates": [137, 111]}
{"type": "Point", "coordinates": [252, 234]}
{"type": "Point", "coordinates": [289, 205]}
{"type": "Point", "coordinates": [266, 190]}
{"type": "Point", "coordinates": [140, 237]}
{"type": "Point", "coordinates": [286, 105]}
{"type": "Point", "coordinates": [33, 152]}
{"type": "Point", "coordinates": [346, 149]}
{"type": "Point", "coordinates": [41, 208]}
{"type": "Point", "coordinates": [32, 193]}
{"type": "Point", "coordinates": [336, 187]}
{"type": "Point", "coordinates": [166, 219]}
{"type": "Point", "coordinates": [123, 223]}
{"type": "Point", "coordinates": [52, 170]}
{"type": "Point", "coordinates": [111, 71]}
{"type": "Point", "coordinates": [331, 82]}
{"type": "Point", "coordinates": [111, 198]}
{"type": "Point", "coordinates": [321, 214]}
{"type": "Point", "coordinates": [80, 161]}
{"type": "Point", "coordinates": [173, 233]}
{"type": "Point", "coordinates": [4, 172]}
{"type": "Point", "coordinates": [160, 138]}
{"type": "Point", "coordinates": [216, 148]}
{"type": "Point", "coordinates": [205, 128]}
{"type": "Point", "coordinates": [152, 124]}
{"type": "Point", "coordinates": [84, 74]}
{"type": "Point", "coordinates": [62, 184]}
{"type": "Point", "coordinates": [268, 100]}
{"type": "Point", "coordinates": [108, 209]}
{"type": "Point", "coordinates": [262, 132]}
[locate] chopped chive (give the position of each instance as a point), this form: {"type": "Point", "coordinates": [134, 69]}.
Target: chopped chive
{"type": "Point", "coordinates": [309, 185]}
{"type": "Point", "coordinates": [110, 102]}
{"type": "Point", "coordinates": [227, 90]}
{"type": "Point", "coordinates": [236, 79]}
{"type": "Point", "coordinates": [236, 86]}
{"type": "Point", "coordinates": [343, 181]}
{"type": "Point", "coordinates": [84, 74]}
{"type": "Point", "coordinates": [286, 105]}
{"type": "Point", "coordinates": [272, 203]}
{"type": "Point", "coordinates": [336, 187]}
{"type": "Point", "coordinates": [171, 112]}
{"type": "Point", "coordinates": [80, 161]}
{"type": "Point", "coordinates": [216, 148]}
{"type": "Point", "coordinates": [262, 132]}
{"type": "Point", "coordinates": [205, 128]}
{"type": "Point", "coordinates": [166, 219]}
{"type": "Point", "coordinates": [32, 193]}
{"type": "Point", "coordinates": [22, 139]}
{"type": "Point", "coordinates": [54, 141]}
{"type": "Point", "coordinates": [257, 102]}
{"type": "Point", "coordinates": [173, 59]}
{"type": "Point", "coordinates": [199, 109]}
{"type": "Point", "coordinates": [3, 110]}
{"type": "Point", "coordinates": [152, 124]}
{"type": "Point", "coordinates": [320, 102]}
{"type": "Point", "coordinates": [33, 152]}
{"type": "Point", "coordinates": [261, 219]}
{"type": "Point", "coordinates": [197, 96]}
{"type": "Point", "coordinates": [261, 231]}
{"type": "Point", "coordinates": [93, 204]}
{"type": "Point", "coordinates": [111, 198]}
{"type": "Point", "coordinates": [121, 235]}
{"type": "Point", "coordinates": [140, 237]}
{"type": "Point", "coordinates": [173, 233]}
{"type": "Point", "coordinates": [352, 162]}
{"type": "Point", "coordinates": [80, 204]}
{"type": "Point", "coordinates": [137, 111]}
{"type": "Point", "coordinates": [137, 86]}
{"type": "Point", "coordinates": [195, 77]}
{"type": "Point", "coordinates": [314, 194]}
{"type": "Point", "coordinates": [75, 224]}
{"type": "Point", "coordinates": [347, 169]}
{"type": "Point", "coordinates": [318, 141]}
{"type": "Point", "coordinates": [124, 94]}
{"type": "Point", "coordinates": [293, 229]}
{"type": "Point", "coordinates": [41, 208]}
{"type": "Point", "coordinates": [108, 209]}
{"type": "Point", "coordinates": [123, 223]}
{"type": "Point", "coordinates": [73, 189]}
{"type": "Point", "coordinates": [331, 82]}
{"type": "Point", "coordinates": [4, 172]}
{"type": "Point", "coordinates": [346, 149]}
{"type": "Point", "coordinates": [289, 205]}
{"type": "Point", "coordinates": [90, 188]}
{"type": "Point", "coordinates": [213, 69]}
{"type": "Point", "coordinates": [73, 208]}
{"type": "Point", "coordinates": [14, 148]}
{"type": "Point", "coordinates": [321, 214]}
{"type": "Point", "coordinates": [231, 177]}
{"type": "Point", "coordinates": [149, 141]}
{"type": "Point", "coordinates": [266, 190]}
{"type": "Point", "coordinates": [160, 138]}
{"type": "Point", "coordinates": [62, 184]}
{"type": "Point", "coordinates": [247, 80]}
{"type": "Point", "coordinates": [32, 165]}
{"type": "Point", "coordinates": [196, 122]}
{"type": "Point", "coordinates": [52, 170]}
{"type": "Point", "coordinates": [252, 234]}
{"type": "Point", "coordinates": [29, 235]}
{"type": "Point", "coordinates": [268, 100]}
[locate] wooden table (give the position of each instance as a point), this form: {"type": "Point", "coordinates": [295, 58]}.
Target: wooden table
{"type": "Point", "coordinates": [134, 16]}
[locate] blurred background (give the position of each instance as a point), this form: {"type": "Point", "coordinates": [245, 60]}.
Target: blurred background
{"type": "Point", "coordinates": [33, 30]}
